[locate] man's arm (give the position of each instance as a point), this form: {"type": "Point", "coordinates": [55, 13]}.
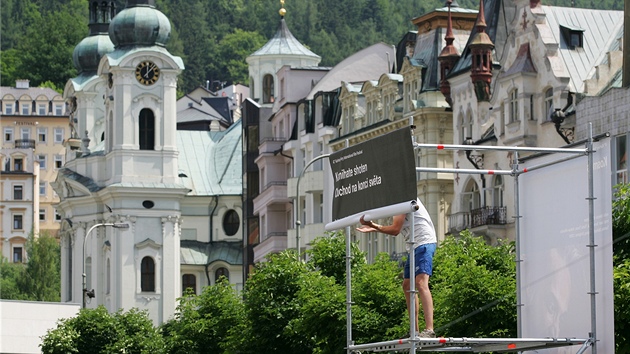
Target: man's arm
{"type": "Point", "coordinates": [393, 229]}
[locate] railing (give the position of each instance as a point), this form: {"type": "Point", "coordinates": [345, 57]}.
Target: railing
{"type": "Point", "coordinates": [25, 144]}
{"type": "Point", "coordinates": [489, 216]}
{"type": "Point", "coordinates": [276, 183]}
{"type": "Point", "coordinates": [477, 217]}
{"type": "Point", "coordinates": [272, 234]}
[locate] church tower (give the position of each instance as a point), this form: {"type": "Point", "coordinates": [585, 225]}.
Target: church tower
{"type": "Point", "coordinates": [130, 177]}
{"type": "Point", "coordinates": [85, 92]}
{"type": "Point", "coordinates": [283, 49]}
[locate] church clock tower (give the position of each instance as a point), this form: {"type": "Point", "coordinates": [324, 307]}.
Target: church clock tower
{"type": "Point", "coordinates": [131, 177]}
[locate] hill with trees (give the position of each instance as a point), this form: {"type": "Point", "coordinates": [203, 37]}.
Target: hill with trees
{"type": "Point", "coordinates": [213, 37]}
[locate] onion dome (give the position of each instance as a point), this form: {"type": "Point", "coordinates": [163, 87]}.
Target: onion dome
{"type": "Point", "coordinates": [91, 49]}
{"type": "Point", "coordinates": [88, 53]}
{"type": "Point", "coordinates": [140, 24]}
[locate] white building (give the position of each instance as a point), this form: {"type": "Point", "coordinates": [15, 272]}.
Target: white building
{"type": "Point", "coordinates": [178, 191]}
{"type": "Point", "coordinates": [517, 84]}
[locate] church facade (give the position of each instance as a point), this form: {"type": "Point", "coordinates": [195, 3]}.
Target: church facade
{"type": "Point", "coordinates": [147, 211]}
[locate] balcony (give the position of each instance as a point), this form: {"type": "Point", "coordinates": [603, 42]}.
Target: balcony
{"type": "Point", "coordinates": [478, 217]}
{"type": "Point", "coordinates": [272, 242]}
{"type": "Point", "coordinates": [272, 193]}
{"type": "Point", "coordinates": [25, 144]}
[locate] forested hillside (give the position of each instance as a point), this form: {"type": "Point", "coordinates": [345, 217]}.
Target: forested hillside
{"type": "Point", "coordinates": [213, 36]}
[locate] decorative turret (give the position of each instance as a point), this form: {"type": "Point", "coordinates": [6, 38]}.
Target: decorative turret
{"type": "Point", "coordinates": [283, 49]}
{"type": "Point", "coordinates": [448, 57]}
{"type": "Point", "coordinates": [481, 50]}
{"type": "Point", "coordinates": [140, 24]}
{"type": "Point", "coordinates": [91, 49]}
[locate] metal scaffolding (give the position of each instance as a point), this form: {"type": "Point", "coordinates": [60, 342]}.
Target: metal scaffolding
{"type": "Point", "coordinates": [414, 344]}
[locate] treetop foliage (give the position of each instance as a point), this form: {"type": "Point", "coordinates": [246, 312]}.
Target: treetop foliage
{"type": "Point", "coordinates": [214, 38]}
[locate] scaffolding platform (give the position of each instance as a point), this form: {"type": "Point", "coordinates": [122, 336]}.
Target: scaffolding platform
{"type": "Point", "coordinates": [475, 345]}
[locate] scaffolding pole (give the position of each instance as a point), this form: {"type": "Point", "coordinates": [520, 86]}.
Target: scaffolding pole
{"type": "Point", "coordinates": [591, 238]}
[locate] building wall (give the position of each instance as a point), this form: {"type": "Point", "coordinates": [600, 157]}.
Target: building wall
{"type": "Point", "coordinates": [24, 323]}
{"type": "Point", "coordinates": [608, 113]}
{"type": "Point", "coordinates": [18, 202]}
{"type": "Point", "coordinates": [40, 124]}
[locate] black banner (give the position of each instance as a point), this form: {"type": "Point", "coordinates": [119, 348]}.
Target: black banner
{"type": "Point", "coordinates": [374, 174]}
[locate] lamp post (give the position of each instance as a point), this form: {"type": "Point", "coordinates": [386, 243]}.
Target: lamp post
{"type": "Point", "coordinates": [87, 234]}
{"type": "Point", "coordinates": [297, 201]}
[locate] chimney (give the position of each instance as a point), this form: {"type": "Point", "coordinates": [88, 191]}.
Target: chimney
{"type": "Point", "coordinates": [626, 44]}
{"type": "Point", "coordinates": [21, 84]}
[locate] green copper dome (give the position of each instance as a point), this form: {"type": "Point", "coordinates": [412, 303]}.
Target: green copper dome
{"type": "Point", "coordinates": [88, 53]}
{"type": "Point", "coordinates": [140, 24]}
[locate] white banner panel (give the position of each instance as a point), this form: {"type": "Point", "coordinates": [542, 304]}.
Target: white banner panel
{"type": "Point", "coordinates": [555, 272]}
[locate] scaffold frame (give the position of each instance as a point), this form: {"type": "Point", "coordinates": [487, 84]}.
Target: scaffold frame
{"type": "Point", "coordinates": [414, 344]}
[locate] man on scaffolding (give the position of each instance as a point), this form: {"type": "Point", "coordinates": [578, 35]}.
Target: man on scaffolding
{"type": "Point", "coordinates": [424, 243]}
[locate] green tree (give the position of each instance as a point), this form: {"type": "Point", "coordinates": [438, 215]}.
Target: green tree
{"type": "Point", "coordinates": [272, 306]}
{"type": "Point", "coordinates": [98, 331]}
{"type": "Point", "coordinates": [233, 49]}
{"type": "Point", "coordinates": [380, 312]}
{"type": "Point", "coordinates": [621, 264]}
{"type": "Point", "coordinates": [474, 288]}
{"type": "Point", "coordinates": [328, 255]}
{"type": "Point", "coordinates": [42, 279]}
{"type": "Point", "coordinates": [10, 274]}
{"type": "Point", "coordinates": [46, 50]}
{"type": "Point", "coordinates": [37, 280]}
{"type": "Point", "coordinates": [205, 323]}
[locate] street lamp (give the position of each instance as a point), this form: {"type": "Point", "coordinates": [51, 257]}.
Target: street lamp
{"type": "Point", "coordinates": [87, 292]}
{"type": "Point", "coordinates": [297, 201]}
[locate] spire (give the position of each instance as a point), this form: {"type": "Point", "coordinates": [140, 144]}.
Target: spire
{"type": "Point", "coordinates": [448, 57]}
{"type": "Point", "coordinates": [282, 11]}
{"type": "Point", "coordinates": [481, 49]}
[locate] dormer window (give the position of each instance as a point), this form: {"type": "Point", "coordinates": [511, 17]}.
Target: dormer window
{"type": "Point", "coordinates": [573, 36]}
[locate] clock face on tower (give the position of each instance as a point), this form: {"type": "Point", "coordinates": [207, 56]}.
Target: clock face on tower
{"type": "Point", "coordinates": [147, 73]}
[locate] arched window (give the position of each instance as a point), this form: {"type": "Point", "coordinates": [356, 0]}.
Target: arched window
{"type": "Point", "coordinates": [147, 130]}
{"type": "Point", "coordinates": [221, 272]}
{"type": "Point", "coordinates": [147, 274]}
{"type": "Point", "coordinates": [189, 281]}
{"type": "Point", "coordinates": [268, 89]}
{"type": "Point", "coordinates": [231, 222]}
